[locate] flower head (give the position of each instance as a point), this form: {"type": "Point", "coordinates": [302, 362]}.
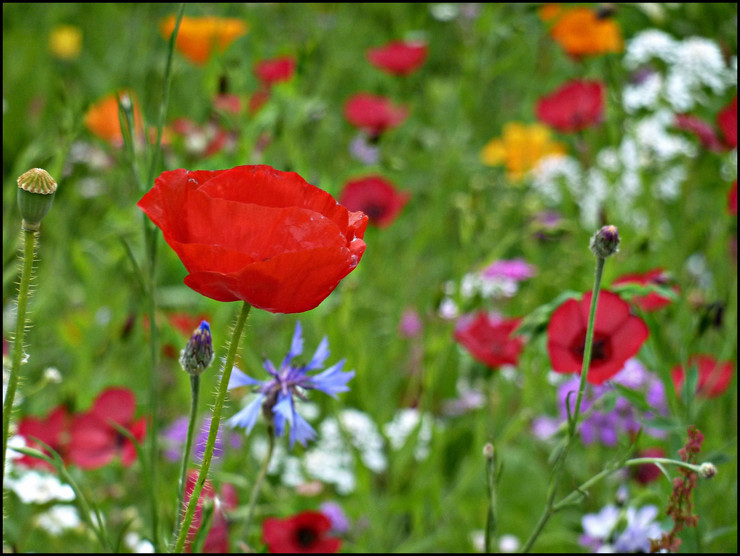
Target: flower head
{"type": "Point", "coordinates": [581, 32]}
{"type": "Point", "coordinates": [276, 397]}
{"type": "Point", "coordinates": [373, 114]}
{"type": "Point", "coordinates": [102, 120]}
{"type": "Point", "coordinates": [618, 335]}
{"type": "Point", "coordinates": [95, 442]}
{"type": "Point", "coordinates": [575, 106]}
{"type": "Point", "coordinates": [520, 148]}
{"type": "Point", "coordinates": [199, 37]}
{"type": "Point", "coordinates": [275, 70]}
{"type": "Point", "coordinates": [217, 540]}
{"type": "Point", "coordinates": [306, 532]}
{"type": "Point", "coordinates": [398, 57]}
{"type": "Point", "coordinates": [489, 338]}
{"type": "Point", "coordinates": [714, 377]}
{"type": "Point", "coordinates": [52, 430]}
{"type": "Point", "coordinates": [256, 234]}
{"type": "Point", "coordinates": [727, 121]}
{"type": "Point", "coordinates": [652, 301]}
{"type": "Point", "coordinates": [375, 196]}
{"type": "Point", "coordinates": [65, 42]}
{"type": "Point", "coordinates": [197, 355]}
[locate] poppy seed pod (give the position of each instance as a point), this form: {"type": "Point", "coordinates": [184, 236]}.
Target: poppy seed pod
{"type": "Point", "coordinates": [36, 189]}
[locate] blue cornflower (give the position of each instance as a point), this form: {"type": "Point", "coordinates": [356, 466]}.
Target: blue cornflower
{"type": "Point", "coordinates": [275, 396]}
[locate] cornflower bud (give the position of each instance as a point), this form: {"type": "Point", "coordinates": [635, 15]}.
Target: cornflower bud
{"type": "Point", "coordinates": [198, 353]}
{"type": "Point", "coordinates": [605, 242]}
{"type": "Point", "coordinates": [36, 189]}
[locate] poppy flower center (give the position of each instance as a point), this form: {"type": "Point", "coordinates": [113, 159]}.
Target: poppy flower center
{"type": "Point", "coordinates": [305, 536]}
{"type": "Point", "coordinates": [601, 350]}
{"type": "Point", "coordinates": [374, 211]}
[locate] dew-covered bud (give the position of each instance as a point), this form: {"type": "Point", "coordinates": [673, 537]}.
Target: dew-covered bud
{"type": "Point", "coordinates": [36, 189]}
{"type": "Point", "coordinates": [707, 470]}
{"type": "Point", "coordinates": [198, 353]}
{"type": "Point", "coordinates": [605, 242]}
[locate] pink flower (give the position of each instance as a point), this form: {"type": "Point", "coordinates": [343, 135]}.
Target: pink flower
{"type": "Point", "coordinates": [374, 114]}
{"type": "Point", "coordinates": [575, 106]}
{"type": "Point", "coordinates": [703, 131]}
{"type": "Point", "coordinates": [727, 122]}
{"type": "Point", "coordinates": [398, 57]}
{"type": "Point", "coordinates": [276, 70]}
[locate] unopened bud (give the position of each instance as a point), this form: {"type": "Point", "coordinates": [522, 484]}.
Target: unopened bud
{"type": "Point", "coordinates": [605, 242]}
{"type": "Point", "coordinates": [198, 353]}
{"type": "Point", "coordinates": [707, 470]}
{"type": "Point", "coordinates": [36, 189]}
{"type": "Point", "coordinates": [488, 451]}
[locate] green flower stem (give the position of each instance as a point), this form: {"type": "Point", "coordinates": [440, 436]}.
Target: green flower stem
{"type": "Point", "coordinates": [194, 393]}
{"type": "Point", "coordinates": [29, 246]}
{"type": "Point", "coordinates": [213, 431]}
{"type": "Point", "coordinates": [573, 419]}
{"type": "Point", "coordinates": [488, 453]}
{"type": "Point", "coordinates": [260, 479]}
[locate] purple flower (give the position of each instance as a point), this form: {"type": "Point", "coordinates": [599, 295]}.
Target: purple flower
{"type": "Point", "coordinates": [410, 324]}
{"type": "Point", "coordinates": [597, 528]}
{"type": "Point", "coordinates": [276, 396]}
{"type": "Point", "coordinates": [175, 437]}
{"type": "Point", "coordinates": [641, 527]}
{"type": "Point", "coordinates": [335, 513]}
{"type": "Point", "coordinates": [363, 150]}
{"type": "Point", "coordinates": [514, 269]}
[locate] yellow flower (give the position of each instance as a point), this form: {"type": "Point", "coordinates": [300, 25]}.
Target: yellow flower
{"type": "Point", "coordinates": [581, 32]}
{"type": "Point", "coordinates": [199, 37]}
{"type": "Point", "coordinates": [520, 147]}
{"type": "Point", "coordinates": [65, 42]}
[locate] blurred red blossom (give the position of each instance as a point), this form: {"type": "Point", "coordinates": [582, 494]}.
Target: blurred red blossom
{"type": "Point", "coordinates": [618, 335]}
{"type": "Point", "coordinates": [52, 430]}
{"type": "Point", "coordinates": [377, 197]}
{"type": "Point", "coordinates": [374, 114]}
{"type": "Point", "coordinates": [256, 234]}
{"type": "Point", "coordinates": [727, 122]}
{"type": "Point", "coordinates": [652, 301]}
{"type": "Point", "coordinates": [306, 532]}
{"type": "Point", "coordinates": [217, 540]}
{"type": "Point", "coordinates": [398, 57]}
{"type": "Point", "coordinates": [276, 70]}
{"type": "Point", "coordinates": [648, 472]}
{"type": "Point", "coordinates": [703, 131]}
{"type": "Point", "coordinates": [714, 377]}
{"type": "Point", "coordinates": [489, 338]}
{"type": "Point", "coordinates": [575, 106]}
{"type": "Point", "coordinates": [732, 199]}
{"type": "Point", "coordinates": [94, 442]}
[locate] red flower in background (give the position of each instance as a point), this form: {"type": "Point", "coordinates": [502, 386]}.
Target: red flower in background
{"type": "Point", "coordinates": [217, 540]}
{"type": "Point", "coordinates": [618, 335]}
{"type": "Point", "coordinates": [398, 57]}
{"type": "Point", "coordinates": [256, 234]}
{"type": "Point", "coordinates": [275, 70]}
{"type": "Point", "coordinates": [727, 122]}
{"type": "Point", "coordinates": [714, 376]}
{"type": "Point", "coordinates": [95, 442]}
{"type": "Point", "coordinates": [648, 472]}
{"type": "Point", "coordinates": [489, 338]}
{"type": "Point", "coordinates": [52, 430]}
{"type": "Point", "coordinates": [652, 301]}
{"type": "Point", "coordinates": [374, 114]}
{"type": "Point", "coordinates": [732, 199]}
{"type": "Point", "coordinates": [376, 197]}
{"type": "Point", "coordinates": [575, 106]}
{"type": "Point", "coordinates": [703, 131]}
{"type": "Point", "coordinates": [302, 533]}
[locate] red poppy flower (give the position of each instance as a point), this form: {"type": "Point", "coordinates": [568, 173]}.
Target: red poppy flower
{"type": "Point", "coordinates": [489, 338]}
{"type": "Point", "coordinates": [256, 234]}
{"type": "Point", "coordinates": [732, 199]}
{"type": "Point", "coordinates": [652, 301]}
{"type": "Point", "coordinates": [276, 70]}
{"type": "Point", "coordinates": [575, 106]}
{"type": "Point", "coordinates": [648, 472]}
{"type": "Point", "coordinates": [714, 376]}
{"type": "Point", "coordinates": [95, 442]}
{"type": "Point", "coordinates": [398, 57]}
{"type": "Point", "coordinates": [727, 122]}
{"type": "Point", "coordinates": [52, 430]}
{"type": "Point", "coordinates": [217, 540]}
{"type": "Point", "coordinates": [305, 532]}
{"type": "Point", "coordinates": [703, 131]}
{"type": "Point", "coordinates": [374, 114]}
{"type": "Point", "coordinates": [618, 335]}
{"type": "Point", "coordinates": [376, 197]}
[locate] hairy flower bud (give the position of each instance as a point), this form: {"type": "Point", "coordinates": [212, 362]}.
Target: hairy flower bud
{"type": "Point", "coordinates": [707, 470]}
{"type": "Point", "coordinates": [36, 189]}
{"type": "Point", "coordinates": [605, 242]}
{"type": "Point", "coordinates": [198, 353]}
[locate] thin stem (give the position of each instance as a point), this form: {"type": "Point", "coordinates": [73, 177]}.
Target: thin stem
{"type": "Point", "coordinates": [491, 518]}
{"type": "Point", "coordinates": [260, 479]}
{"type": "Point", "coordinates": [29, 246]}
{"type": "Point", "coordinates": [573, 421]}
{"type": "Point", "coordinates": [213, 431]}
{"type": "Point", "coordinates": [194, 394]}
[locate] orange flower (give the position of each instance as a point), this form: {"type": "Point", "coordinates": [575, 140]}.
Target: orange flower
{"type": "Point", "coordinates": [520, 148]}
{"type": "Point", "coordinates": [581, 32]}
{"type": "Point", "coordinates": [548, 12]}
{"type": "Point", "coordinates": [198, 37]}
{"type": "Point", "coordinates": [102, 120]}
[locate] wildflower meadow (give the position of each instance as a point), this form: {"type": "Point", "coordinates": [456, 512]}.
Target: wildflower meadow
{"type": "Point", "coordinates": [369, 277]}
